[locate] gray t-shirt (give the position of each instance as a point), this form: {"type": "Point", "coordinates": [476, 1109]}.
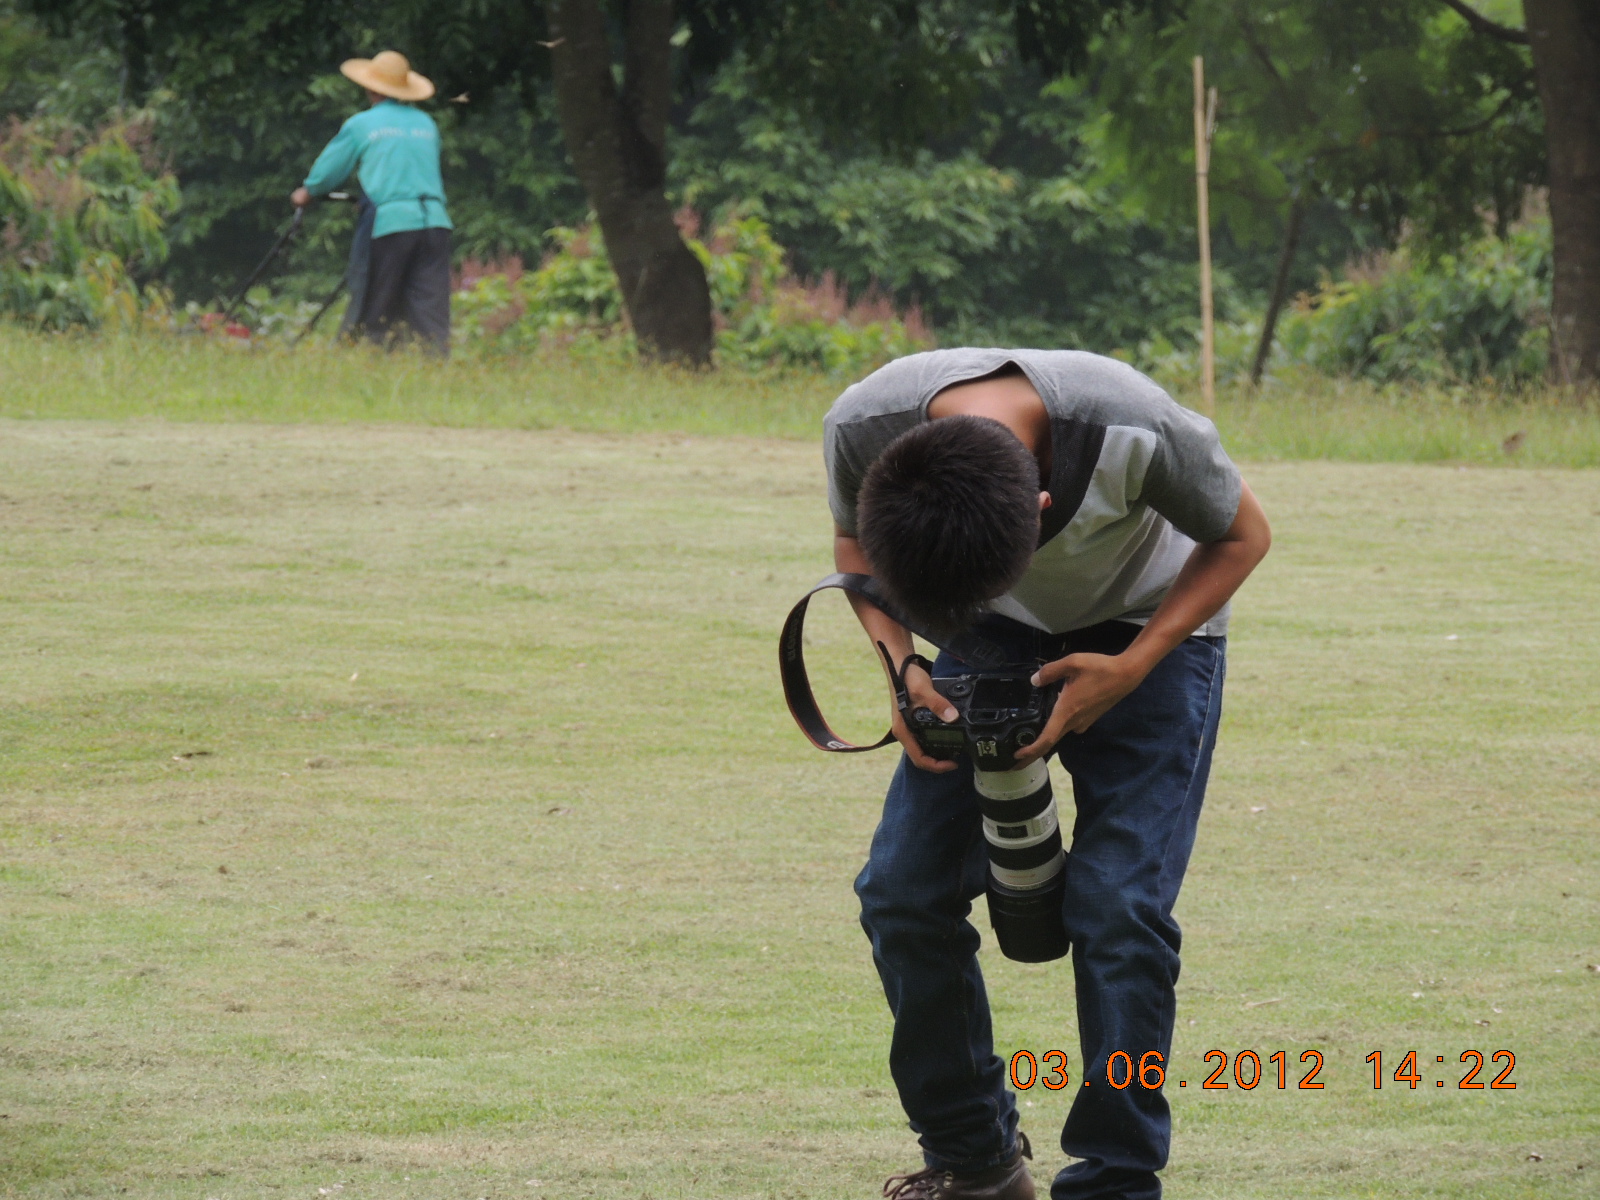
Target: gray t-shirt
{"type": "Point", "coordinates": [1136, 479]}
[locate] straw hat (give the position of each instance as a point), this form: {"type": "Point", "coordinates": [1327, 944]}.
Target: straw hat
{"type": "Point", "coordinates": [389, 74]}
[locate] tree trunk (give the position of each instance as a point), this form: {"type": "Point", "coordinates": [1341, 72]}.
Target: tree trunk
{"type": "Point", "coordinates": [1565, 37]}
{"type": "Point", "coordinates": [618, 144]}
{"type": "Point", "coordinates": [1280, 287]}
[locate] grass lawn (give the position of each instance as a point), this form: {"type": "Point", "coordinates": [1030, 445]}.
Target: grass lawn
{"type": "Point", "coordinates": [596, 390]}
{"type": "Point", "coordinates": [412, 812]}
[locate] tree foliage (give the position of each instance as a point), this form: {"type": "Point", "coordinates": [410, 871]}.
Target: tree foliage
{"type": "Point", "coordinates": [1021, 169]}
{"type": "Point", "coordinates": [893, 73]}
{"type": "Point", "coordinates": [1479, 311]}
{"type": "Point", "coordinates": [765, 317]}
{"type": "Point", "coordinates": [247, 90]}
{"type": "Point", "coordinates": [1388, 107]}
{"type": "Point", "coordinates": [82, 215]}
{"type": "Point", "coordinates": [997, 230]}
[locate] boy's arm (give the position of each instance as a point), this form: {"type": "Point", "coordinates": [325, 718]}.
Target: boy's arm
{"type": "Point", "coordinates": [1208, 580]}
{"type": "Point", "coordinates": [847, 556]}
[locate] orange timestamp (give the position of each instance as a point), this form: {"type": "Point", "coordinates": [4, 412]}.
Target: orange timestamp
{"type": "Point", "coordinates": [1149, 1071]}
{"type": "Point", "coordinates": [1408, 1073]}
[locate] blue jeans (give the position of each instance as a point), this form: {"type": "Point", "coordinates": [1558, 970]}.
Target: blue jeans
{"type": "Point", "coordinates": [1139, 776]}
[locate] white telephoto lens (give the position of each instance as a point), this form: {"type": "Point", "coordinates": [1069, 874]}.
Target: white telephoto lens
{"type": "Point", "coordinates": [1013, 785]}
{"type": "Point", "coordinates": [1019, 835]}
{"type": "Point", "coordinates": [1031, 877]}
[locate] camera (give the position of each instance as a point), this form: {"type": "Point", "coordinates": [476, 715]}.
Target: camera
{"type": "Point", "coordinates": [997, 714]}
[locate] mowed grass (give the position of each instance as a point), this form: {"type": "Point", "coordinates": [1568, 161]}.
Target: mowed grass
{"type": "Point", "coordinates": [409, 812]}
{"type": "Point", "coordinates": [598, 389]}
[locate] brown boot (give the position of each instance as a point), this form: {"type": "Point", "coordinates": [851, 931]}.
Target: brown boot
{"type": "Point", "coordinates": [1007, 1181]}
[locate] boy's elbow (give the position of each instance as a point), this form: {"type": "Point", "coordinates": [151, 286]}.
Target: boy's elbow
{"type": "Point", "coordinates": [1256, 537]}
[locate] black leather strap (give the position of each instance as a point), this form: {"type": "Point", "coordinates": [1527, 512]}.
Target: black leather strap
{"type": "Point", "coordinates": [970, 648]}
{"type": "Point", "coordinates": [897, 675]}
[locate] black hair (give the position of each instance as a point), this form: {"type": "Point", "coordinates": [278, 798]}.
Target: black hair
{"type": "Point", "coordinates": [949, 518]}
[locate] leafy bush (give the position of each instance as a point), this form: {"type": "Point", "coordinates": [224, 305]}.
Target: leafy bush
{"type": "Point", "coordinates": [1004, 234]}
{"type": "Point", "coordinates": [1176, 366]}
{"type": "Point", "coordinates": [763, 317]}
{"type": "Point", "coordinates": [573, 293]}
{"type": "Point", "coordinates": [1482, 313]}
{"type": "Point", "coordinates": [80, 214]}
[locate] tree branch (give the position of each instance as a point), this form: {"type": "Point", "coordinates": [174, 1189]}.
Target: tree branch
{"type": "Point", "coordinates": [1289, 97]}
{"type": "Point", "coordinates": [1415, 134]}
{"type": "Point", "coordinates": [1482, 24]}
{"type": "Point", "coordinates": [1280, 284]}
{"type": "Point", "coordinates": [1475, 127]}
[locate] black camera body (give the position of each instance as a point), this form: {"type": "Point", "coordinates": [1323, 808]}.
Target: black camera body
{"type": "Point", "coordinates": [998, 713]}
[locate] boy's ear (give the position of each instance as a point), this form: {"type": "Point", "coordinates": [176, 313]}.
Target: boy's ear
{"type": "Point", "coordinates": [1044, 501]}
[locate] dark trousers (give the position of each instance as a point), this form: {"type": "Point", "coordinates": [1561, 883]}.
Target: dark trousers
{"type": "Point", "coordinates": [1138, 776]}
{"type": "Point", "coordinates": [408, 285]}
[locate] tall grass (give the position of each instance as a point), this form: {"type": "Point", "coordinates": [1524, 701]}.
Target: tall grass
{"type": "Point", "coordinates": [1311, 416]}
{"type": "Point", "coordinates": [1304, 416]}
{"type": "Point", "coordinates": [198, 379]}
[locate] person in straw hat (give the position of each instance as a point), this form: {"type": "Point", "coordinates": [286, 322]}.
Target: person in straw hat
{"type": "Point", "coordinates": [394, 149]}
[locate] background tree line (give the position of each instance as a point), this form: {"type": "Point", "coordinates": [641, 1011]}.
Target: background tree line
{"type": "Point", "coordinates": [1021, 169]}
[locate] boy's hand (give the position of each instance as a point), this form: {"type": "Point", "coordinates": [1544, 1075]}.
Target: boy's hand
{"type": "Point", "coordinates": [919, 686]}
{"type": "Point", "coordinates": [1094, 683]}
{"type": "Point", "coordinates": [300, 197]}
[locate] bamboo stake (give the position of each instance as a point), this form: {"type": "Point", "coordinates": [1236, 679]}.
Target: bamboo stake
{"type": "Point", "coordinates": [1205, 114]}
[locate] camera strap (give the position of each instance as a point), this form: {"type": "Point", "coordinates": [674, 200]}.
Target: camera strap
{"type": "Point", "coordinates": [980, 652]}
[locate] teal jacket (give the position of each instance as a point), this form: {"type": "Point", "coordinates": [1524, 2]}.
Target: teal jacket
{"type": "Point", "coordinates": [394, 148]}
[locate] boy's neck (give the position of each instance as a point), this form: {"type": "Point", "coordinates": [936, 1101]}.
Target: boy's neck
{"type": "Point", "coordinates": [1009, 399]}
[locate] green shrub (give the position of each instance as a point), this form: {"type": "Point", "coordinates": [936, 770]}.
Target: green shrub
{"type": "Point", "coordinates": [763, 318]}
{"type": "Point", "coordinates": [1479, 314]}
{"type": "Point", "coordinates": [815, 326]}
{"type": "Point", "coordinates": [80, 215]}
